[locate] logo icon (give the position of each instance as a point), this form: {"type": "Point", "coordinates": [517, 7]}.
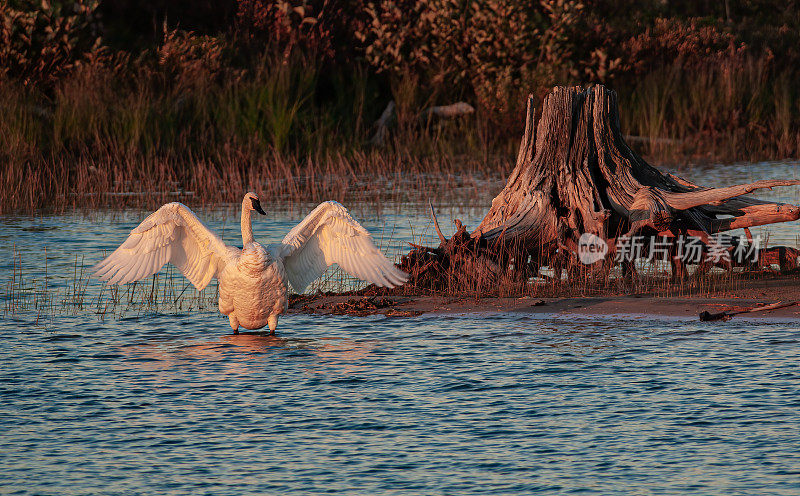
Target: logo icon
{"type": "Point", "coordinates": [591, 248]}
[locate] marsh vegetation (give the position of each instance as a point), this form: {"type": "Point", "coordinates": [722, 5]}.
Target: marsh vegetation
{"type": "Point", "coordinates": [114, 103]}
{"type": "Point", "coordinates": [110, 108]}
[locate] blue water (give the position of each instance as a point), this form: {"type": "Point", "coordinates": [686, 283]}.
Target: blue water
{"type": "Point", "coordinates": [499, 404]}
{"type": "Point", "coordinates": [165, 401]}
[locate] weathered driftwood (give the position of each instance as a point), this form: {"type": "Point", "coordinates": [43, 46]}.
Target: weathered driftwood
{"type": "Point", "coordinates": [706, 316]}
{"type": "Point", "coordinates": [651, 140]}
{"type": "Point", "coordinates": [575, 174]}
{"type": "Point", "coordinates": [382, 124]}
{"type": "Point", "coordinates": [424, 118]}
{"type": "Point", "coordinates": [446, 111]}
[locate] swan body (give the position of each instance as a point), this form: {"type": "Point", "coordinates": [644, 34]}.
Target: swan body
{"type": "Point", "coordinates": [254, 280]}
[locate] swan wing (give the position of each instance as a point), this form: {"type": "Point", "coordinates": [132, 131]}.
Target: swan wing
{"type": "Point", "coordinates": [173, 233]}
{"type": "Point", "coordinates": [327, 236]}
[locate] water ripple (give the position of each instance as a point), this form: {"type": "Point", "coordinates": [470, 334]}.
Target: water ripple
{"type": "Point", "coordinates": [156, 403]}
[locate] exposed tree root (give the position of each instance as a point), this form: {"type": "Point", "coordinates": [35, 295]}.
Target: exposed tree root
{"type": "Point", "coordinates": [574, 175]}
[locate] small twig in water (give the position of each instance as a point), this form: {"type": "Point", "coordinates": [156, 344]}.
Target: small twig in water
{"type": "Point", "coordinates": [181, 293]}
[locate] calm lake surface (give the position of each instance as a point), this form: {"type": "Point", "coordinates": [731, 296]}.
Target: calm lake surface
{"type": "Point", "coordinates": [139, 398]}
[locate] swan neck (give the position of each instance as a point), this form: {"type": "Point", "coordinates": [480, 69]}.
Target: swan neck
{"type": "Point", "coordinates": [247, 226]}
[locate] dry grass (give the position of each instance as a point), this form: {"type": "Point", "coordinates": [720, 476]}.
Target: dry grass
{"type": "Point", "coordinates": [49, 295]}
{"type": "Point", "coordinates": [101, 140]}
{"type": "Point", "coordinates": [455, 270]}
{"type": "Point", "coordinates": [108, 136]}
{"type": "Point", "coordinates": [734, 111]}
{"type": "Point", "coordinates": [128, 181]}
{"type": "Point", "coordinates": [168, 292]}
{"type": "Point", "coordinates": [50, 287]}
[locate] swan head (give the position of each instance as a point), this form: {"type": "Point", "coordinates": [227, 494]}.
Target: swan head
{"type": "Point", "coordinates": [253, 203]}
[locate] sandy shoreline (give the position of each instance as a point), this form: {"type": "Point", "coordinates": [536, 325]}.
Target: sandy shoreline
{"type": "Point", "coordinates": [757, 292]}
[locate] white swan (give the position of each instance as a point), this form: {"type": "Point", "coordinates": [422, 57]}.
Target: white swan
{"type": "Point", "coordinates": [252, 281]}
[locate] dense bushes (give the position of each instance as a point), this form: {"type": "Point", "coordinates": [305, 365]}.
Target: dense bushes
{"type": "Point", "coordinates": [301, 77]}
{"type": "Point", "coordinates": [41, 42]}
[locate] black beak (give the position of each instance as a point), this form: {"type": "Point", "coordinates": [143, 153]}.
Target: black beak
{"type": "Point", "coordinates": [257, 206]}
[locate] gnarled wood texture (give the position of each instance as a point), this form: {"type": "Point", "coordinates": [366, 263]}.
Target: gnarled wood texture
{"type": "Point", "coordinates": [577, 165]}
{"type": "Point", "coordinates": [575, 174]}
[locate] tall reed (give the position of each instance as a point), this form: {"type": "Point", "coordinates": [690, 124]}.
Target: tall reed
{"type": "Point", "coordinates": [71, 292]}
{"type": "Point", "coordinates": [736, 110]}
{"type": "Point", "coordinates": [114, 135]}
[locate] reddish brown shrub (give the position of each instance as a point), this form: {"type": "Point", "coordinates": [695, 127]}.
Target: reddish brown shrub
{"type": "Point", "coordinates": [283, 26]}
{"type": "Point", "coordinates": [689, 43]}
{"type": "Point", "coordinates": [41, 41]}
{"type": "Point", "coordinates": [187, 59]}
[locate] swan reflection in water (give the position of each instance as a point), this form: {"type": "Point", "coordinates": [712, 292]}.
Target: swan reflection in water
{"type": "Point", "coordinates": [232, 348]}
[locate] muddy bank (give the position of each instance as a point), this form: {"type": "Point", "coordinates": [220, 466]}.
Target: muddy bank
{"type": "Point", "coordinates": [758, 292]}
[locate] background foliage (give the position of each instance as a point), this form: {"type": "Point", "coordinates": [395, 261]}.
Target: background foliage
{"type": "Point", "coordinates": [200, 81]}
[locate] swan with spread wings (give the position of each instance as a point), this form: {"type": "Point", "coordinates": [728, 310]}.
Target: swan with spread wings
{"type": "Point", "coordinates": [253, 288]}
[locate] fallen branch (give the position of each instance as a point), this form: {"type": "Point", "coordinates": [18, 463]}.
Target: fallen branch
{"type": "Point", "coordinates": [715, 196]}
{"type": "Point", "coordinates": [382, 124]}
{"type": "Point", "coordinates": [647, 139]}
{"type": "Point", "coordinates": [440, 112]}
{"type": "Point", "coordinates": [436, 224]}
{"type": "Point", "coordinates": [706, 316]}
{"type": "Point", "coordinates": [446, 111]}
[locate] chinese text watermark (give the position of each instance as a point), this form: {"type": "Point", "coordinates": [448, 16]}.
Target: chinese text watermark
{"type": "Point", "coordinates": [688, 249]}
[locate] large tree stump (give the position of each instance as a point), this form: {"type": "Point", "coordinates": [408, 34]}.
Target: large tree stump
{"type": "Point", "coordinates": [575, 174]}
